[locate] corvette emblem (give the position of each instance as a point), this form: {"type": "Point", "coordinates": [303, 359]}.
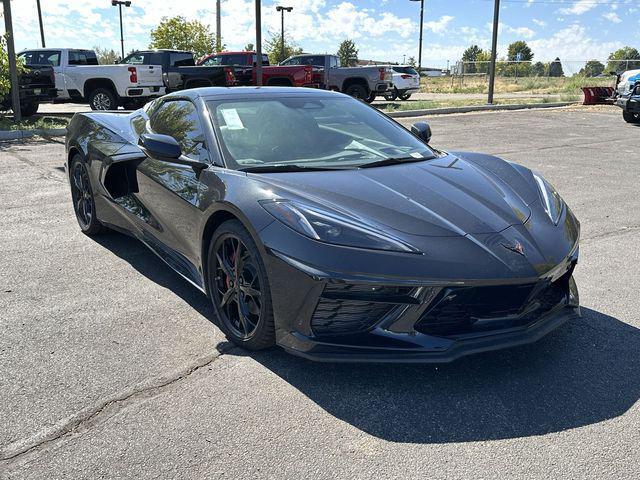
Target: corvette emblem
{"type": "Point", "coordinates": [516, 247]}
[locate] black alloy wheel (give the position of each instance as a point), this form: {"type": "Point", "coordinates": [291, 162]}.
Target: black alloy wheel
{"type": "Point", "coordinates": [357, 91]}
{"type": "Point", "coordinates": [631, 117]}
{"type": "Point", "coordinates": [239, 288]}
{"type": "Point", "coordinates": [82, 196]}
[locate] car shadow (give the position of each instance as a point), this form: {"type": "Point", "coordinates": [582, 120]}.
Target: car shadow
{"type": "Point", "coordinates": [586, 372]}
{"type": "Point", "coordinates": [148, 264]}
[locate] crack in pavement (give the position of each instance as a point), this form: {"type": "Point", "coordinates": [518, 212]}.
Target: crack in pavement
{"type": "Point", "coordinates": [14, 450]}
{"type": "Point", "coordinates": [609, 234]}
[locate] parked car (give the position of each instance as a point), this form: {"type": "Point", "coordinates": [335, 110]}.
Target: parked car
{"type": "Point", "coordinates": [319, 224]}
{"type": "Point", "coordinates": [630, 104]}
{"type": "Point", "coordinates": [406, 81]}
{"type": "Point", "coordinates": [272, 75]}
{"type": "Point", "coordinates": [626, 81]}
{"type": "Point", "coordinates": [363, 83]}
{"type": "Point", "coordinates": [80, 79]}
{"type": "Point", "coordinates": [36, 85]}
{"type": "Point", "coordinates": [179, 69]}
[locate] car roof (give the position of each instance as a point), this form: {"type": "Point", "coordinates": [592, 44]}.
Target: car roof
{"type": "Point", "coordinates": [212, 93]}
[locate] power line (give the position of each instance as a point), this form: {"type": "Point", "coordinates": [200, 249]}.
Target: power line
{"type": "Point", "coordinates": [568, 2]}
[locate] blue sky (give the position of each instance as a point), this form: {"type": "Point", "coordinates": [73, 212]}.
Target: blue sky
{"type": "Point", "coordinates": [382, 30]}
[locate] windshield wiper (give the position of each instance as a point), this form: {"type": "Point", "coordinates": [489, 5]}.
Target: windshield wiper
{"type": "Point", "coordinates": [285, 168]}
{"type": "Point", "coordinates": [394, 161]}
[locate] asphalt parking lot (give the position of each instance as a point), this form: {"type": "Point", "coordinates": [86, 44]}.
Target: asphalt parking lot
{"type": "Point", "coordinates": [111, 368]}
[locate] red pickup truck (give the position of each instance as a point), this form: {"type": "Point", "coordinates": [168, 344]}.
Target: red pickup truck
{"type": "Point", "coordinates": [244, 62]}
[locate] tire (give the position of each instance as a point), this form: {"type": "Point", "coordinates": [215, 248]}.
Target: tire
{"type": "Point", "coordinates": [631, 117]}
{"type": "Point", "coordinates": [391, 95]}
{"type": "Point", "coordinates": [133, 104]}
{"type": "Point", "coordinates": [103, 99]}
{"type": "Point", "coordinates": [405, 96]}
{"type": "Point", "coordinates": [372, 96]}
{"type": "Point", "coordinates": [84, 204]}
{"type": "Point", "coordinates": [240, 290]}
{"type": "Point", "coordinates": [29, 109]}
{"type": "Point", "coordinates": [357, 91]}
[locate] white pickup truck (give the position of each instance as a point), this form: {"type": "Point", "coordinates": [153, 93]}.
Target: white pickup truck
{"type": "Point", "coordinates": [80, 79]}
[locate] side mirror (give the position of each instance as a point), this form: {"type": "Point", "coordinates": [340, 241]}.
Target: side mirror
{"type": "Point", "coordinates": [422, 130]}
{"type": "Point", "coordinates": [160, 146]}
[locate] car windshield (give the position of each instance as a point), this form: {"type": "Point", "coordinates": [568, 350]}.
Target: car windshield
{"type": "Point", "coordinates": [310, 133]}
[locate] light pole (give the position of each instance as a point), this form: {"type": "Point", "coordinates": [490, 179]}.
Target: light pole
{"type": "Point", "coordinates": [282, 10]}
{"type": "Point", "coordinates": [119, 4]}
{"type": "Point", "coordinates": [218, 33]}
{"type": "Point", "coordinates": [13, 69]}
{"type": "Point", "coordinates": [41, 26]}
{"type": "Point", "coordinates": [494, 53]}
{"type": "Point", "coordinates": [258, 42]}
{"type": "Point", "coordinates": [420, 44]}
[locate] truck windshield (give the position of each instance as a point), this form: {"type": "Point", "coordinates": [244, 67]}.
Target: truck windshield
{"type": "Point", "coordinates": [309, 132]}
{"type": "Point", "coordinates": [43, 57]}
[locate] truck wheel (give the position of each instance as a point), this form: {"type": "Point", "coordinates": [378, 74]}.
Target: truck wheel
{"type": "Point", "coordinates": [102, 99]}
{"type": "Point", "coordinates": [29, 109]}
{"type": "Point", "coordinates": [357, 91]}
{"type": "Point", "coordinates": [371, 97]}
{"type": "Point", "coordinates": [405, 96]}
{"type": "Point", "coordinates": [631, 117]}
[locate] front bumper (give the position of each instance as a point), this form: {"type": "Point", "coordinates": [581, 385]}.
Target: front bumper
{"type": "Point", "coordinates": [323, 318]}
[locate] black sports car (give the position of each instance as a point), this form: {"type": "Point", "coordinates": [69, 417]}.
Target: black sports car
{"type": "Point", "coordinates": [317, 223]}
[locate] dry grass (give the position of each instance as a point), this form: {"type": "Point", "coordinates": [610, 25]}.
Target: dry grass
{"type": "Point", "coordinates": [537, 85]}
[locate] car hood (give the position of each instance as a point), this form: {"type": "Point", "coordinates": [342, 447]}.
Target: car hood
{"type": "Point", "coordinates": [452, 195]}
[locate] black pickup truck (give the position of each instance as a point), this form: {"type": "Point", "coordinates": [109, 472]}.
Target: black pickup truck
{"type": "Point", "coordinates": [179, 70]}
{"type": "Point", "coordinates": [630, 104]}
{"type": "Point", "coordinates": [36, 85]}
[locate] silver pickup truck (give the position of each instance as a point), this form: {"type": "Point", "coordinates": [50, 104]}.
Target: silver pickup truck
{"type": "Point", "coordinates": [359, 82]}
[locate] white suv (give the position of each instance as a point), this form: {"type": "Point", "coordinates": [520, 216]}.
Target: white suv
{"type": "Point", "coordinates": [405, 82]}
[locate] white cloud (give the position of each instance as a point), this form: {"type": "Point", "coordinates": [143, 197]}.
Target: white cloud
{"type": "Point", "coordinates": [540, 23]}
{"type": "Point", "coordinates": [612, 17]}
{"type": "Point", "coordinates": [440, 25]}
{"type": "Point", "coordinates": [572, 44]}
{"type": "Point", "coordinates": [578, 8]}
{"type": "Point", "coordinates": [523, 32]}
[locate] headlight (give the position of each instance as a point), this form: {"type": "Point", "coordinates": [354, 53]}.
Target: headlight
{"type": "Point", "coordinates": [551, 200]}
{"type": "Point", "coordinates": [331, 227]}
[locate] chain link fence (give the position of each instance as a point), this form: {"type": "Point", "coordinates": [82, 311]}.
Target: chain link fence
{"type": "Point", "coordinates": [560, 77]}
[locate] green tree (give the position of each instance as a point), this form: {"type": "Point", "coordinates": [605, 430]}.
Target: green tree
{"type": "Point", "coordinates": [469, 57]}
{"type": "Point", "coordinates": [106, 56]}
{"type": "Point", "coordinates": [178, 33]}
{"type": "Point", "coordinates": [5, 78]}
{"type": "Point", "coordinates": [273, 48]}
{"type": "Point", "coordinates": [249, 47]}
{"type": "Point", "coordinates": [593, 68]}
{"type": "Point", "coordinates": [626, 58]}
{"type": "Point", "coordinates": [348, 53]}
{"type": "Point", "coordinates": [555, 68]}
{"type": "Point", "coordinates": [519, 47]}
{"type": "Point", "coordinates": [539, 69]}
{"type": "Point", "coordinates": [484, 59]}
{"type": "Point", "coordinates": [411, 61]}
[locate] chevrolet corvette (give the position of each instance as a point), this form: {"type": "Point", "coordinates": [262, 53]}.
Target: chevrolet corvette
{"type": "Point", "coordinates": [314, 222]}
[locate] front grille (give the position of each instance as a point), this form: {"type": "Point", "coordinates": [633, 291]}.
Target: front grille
{"type": "Point", "coordinates": [469, 310]}
{"type": "Point", "coordinates": [347, 309]}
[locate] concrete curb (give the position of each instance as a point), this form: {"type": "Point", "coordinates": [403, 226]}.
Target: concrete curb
{"type": "Point", "coordinates": [476, 108]}
{"type": "Point", "coordinates": [40, 132]}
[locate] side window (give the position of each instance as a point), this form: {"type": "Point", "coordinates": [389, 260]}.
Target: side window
{"type": "Point", "coordinates": [333, 62]}
{"type": "Point", "coordinates": [139, 124]}
{"type": "Point", "coordinates": [179, 119]}
{"type": "Point", "coordinates": [153, 59]}
{"type": "Point", "coordinates": [134, 59]}
{"type": "Point", "coordinates": [78, 57]}
{"type": "Point", "coordinates": [181, 60]}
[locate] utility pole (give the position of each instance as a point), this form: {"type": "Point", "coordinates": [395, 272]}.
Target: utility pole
{"type": "Point", "coordinates": [420, 44]}
{"type": "Point", "coordinates": [218, 24]}
{"type": "Point", "coordinates": [13, 69]}
{"type": "Point", "coordinates": [494, 53]}
{"type": "Point", "coordinates": [282, 10]}
{"type": "Point", "coordinates": [119, 4]}
{"type": "Point", "coordinates": [258, 43]}
{"type": "Point", "coordinates": [41, 26]}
